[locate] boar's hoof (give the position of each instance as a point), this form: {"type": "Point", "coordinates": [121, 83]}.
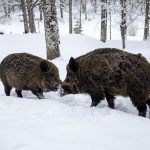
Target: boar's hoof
{"type": "Point", "coordinates": [39, 94]}
{"type": "Point", "coordinates": [94, 104]}
{"type": "Point", "coordinates": [19, 94]}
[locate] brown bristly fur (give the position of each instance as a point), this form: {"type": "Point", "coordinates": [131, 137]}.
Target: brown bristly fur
{"type": "Point", "coordinates": [108, 72]}
{"type": "Point", "coordinates": [24, 71]}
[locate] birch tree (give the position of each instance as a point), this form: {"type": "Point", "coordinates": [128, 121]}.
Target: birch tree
{"type": "Point", "coordinates": [51, 29]}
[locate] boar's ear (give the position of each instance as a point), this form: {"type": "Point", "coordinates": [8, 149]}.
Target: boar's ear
{"type": "Point", "coordinates": [73, 65]}
{"type": "Point", "coordinates": [44, 66]}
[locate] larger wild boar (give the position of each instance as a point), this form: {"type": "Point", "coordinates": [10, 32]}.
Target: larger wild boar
{"type": "Point", "coordinates": [24, 71]}
{"type": "Point", "coordinates": [106, 73]}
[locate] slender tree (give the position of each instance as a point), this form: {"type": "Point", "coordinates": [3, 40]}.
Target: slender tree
{"type": "Point", "coordinates": [84, 5]}
{"type": "Point", "coordinates": [109, 3]}
{"type": "Point", "coordinates": [147, 18]}
{"type": "Point", "coordinates": [31, 15]}
{"type": "Point", "coordinates": [40, 10]}
{"type": "Point", "coordinates": [61, 8]}
{"type": "Point", "coordinates": [80, 17]}
{"type": "Point", "coordinates": [103, 20]}
{"type": "Point", "coordinates": [123, 26]}
{"type": "Point", "coordinates": [85, 9]}
{"type": "Point", "coordinates": [25, 19]}
{"type": "Point", "coordinates": [51, 29]}
{"type": "Point", "coordinates": [70, 16]}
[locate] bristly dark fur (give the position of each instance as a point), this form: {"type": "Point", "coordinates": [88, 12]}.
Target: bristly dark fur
{"type": "Point", "coordinates": [24, 71]}
{"type": "Point", "coordinates": [108, 72]}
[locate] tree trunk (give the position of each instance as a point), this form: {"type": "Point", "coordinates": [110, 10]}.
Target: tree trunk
{"type": "Point", "coordinates": [103, 20]}
{"type": "Point", "coordinates": [40, 9]}
{"type": "Point", "coordinates": [109, 19]}
{"type": "Point", "coordinates": [51, 29]}
{"type": "Point", "coordinates": [61, 8]}
{"type": "Point", "coordinates": [70, 16]}
{"type": "Point", "coordinates": [25, 19]}
{"type": "Point", "coordinates": [85, 9]}
{"type": "Point", "coordinates": [31, 16]}
{"type": "Point", "coordinates": [146, 26]}
{"type": "Point", "coordinates": [95, 6]}
{"type": "Point", "coordinates": [123, 27]}
{"type": "Point", "coordinates": [80, 17]}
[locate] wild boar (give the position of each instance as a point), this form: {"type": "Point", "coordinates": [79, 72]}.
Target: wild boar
{"type": "Point", "coordinates": [24, 71]}
{"type": "Point", "coordinates": [109, 72]}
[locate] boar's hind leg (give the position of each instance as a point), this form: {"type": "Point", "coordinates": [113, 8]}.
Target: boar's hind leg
{"type": "Point", "coordinates": [19, 94]}
{"type": "Point", "coordinates": [110, 100]}
{"type": "Point", "coordinates": [38, 93]}
{"type": "Point", "coordinates": [96, 98]}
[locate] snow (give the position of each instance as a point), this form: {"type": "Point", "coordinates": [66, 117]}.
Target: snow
{"type": "Point", "coordinates": [68, 122]}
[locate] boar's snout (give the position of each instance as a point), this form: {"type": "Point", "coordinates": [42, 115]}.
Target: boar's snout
{"type": "Point", "coordinates": [56, 86]}
{"type": "Point", "coordinates": [65, 89]}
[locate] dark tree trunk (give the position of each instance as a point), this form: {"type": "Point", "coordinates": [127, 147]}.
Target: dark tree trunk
{"type": "Point", "coordinates": [25, 19]}
{"type": "Point", "coordinates": [70, 16]}
{"type": "Point", "coordinates": [40, 9]}
{"type": "Point", "coordinates": [146, 26]}
{"type": "Point", "coordinates": [103, 20]}
{"type": "Point", "coordinates": [123, 27]}
{"type": "Point", "coordinates": [51, 29]}
{"type": "Point", "coordinates": [61, 8]}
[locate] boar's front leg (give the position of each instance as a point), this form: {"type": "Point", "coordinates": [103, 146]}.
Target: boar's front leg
{"type": "Point", "coordinates": [110, 100]}
{"type": "Point", "coordinates": [19, 94]}
{"type": "Point", "coordinates": [38, 93]}
{"type": "Point", "coordinates": [96, 98]}
{"type": "Point", "coordinates": [7, 89]}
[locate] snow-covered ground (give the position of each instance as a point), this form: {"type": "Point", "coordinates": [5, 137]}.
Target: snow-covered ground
{"type": "Point", "coordinates": [68, 123]}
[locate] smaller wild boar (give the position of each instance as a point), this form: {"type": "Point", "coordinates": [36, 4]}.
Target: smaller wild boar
{"type": "Point", "coordinates": [106, 73]}
{"type": "Point", "coordinates": [24, 71]}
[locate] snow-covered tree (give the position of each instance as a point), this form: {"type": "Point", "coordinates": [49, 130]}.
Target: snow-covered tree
{"type": "Point", "coordinates": [51, 29]}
